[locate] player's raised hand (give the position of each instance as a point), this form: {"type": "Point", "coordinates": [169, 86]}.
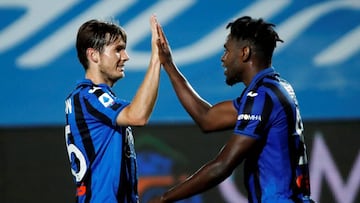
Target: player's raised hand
{"type": "Point", "coordinates": [164, 47]}
{"type": "Point", "coordinates": [154, 34]}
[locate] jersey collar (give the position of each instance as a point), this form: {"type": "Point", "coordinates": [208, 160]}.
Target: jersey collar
{"type": "Point", "coordinates": [88, 82]}
{"type": "Point", "coordinates": [270, 71]}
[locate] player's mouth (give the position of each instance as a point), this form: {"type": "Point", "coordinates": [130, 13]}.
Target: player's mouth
{"type": "Point", "coordinates": [225, 70]}
{"type": "Point", "coordinates": [120, 68]}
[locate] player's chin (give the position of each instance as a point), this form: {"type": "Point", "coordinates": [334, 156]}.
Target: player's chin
{"type": "Point", "coordinates": [118, 76]}
{"type": "Point", "coordinates": [230, 81]}
{"type": "Point", "coordinates": [121, 75]}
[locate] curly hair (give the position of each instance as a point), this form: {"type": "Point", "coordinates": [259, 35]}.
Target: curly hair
{"type": "Point", "coordinates": [258, 33]}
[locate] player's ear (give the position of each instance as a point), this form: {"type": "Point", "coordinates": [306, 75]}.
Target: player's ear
{"type": "Point", "coordinates": [246, 53]}
{"type": "Point", "coordinates": [92, 55]}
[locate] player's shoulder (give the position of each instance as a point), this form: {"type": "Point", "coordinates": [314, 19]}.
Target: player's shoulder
{"type": "Point", "coordinates": [95, 92]}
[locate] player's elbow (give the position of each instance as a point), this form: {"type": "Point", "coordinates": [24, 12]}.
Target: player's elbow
{"type": "Point", "coordinates": [132, 118]}
{"type": "Point", "coordinates": [143, 122]}
{"type": "Point", "coordinates": [139, 121]}
{"type": "Point", "coordinates": [205, 127]}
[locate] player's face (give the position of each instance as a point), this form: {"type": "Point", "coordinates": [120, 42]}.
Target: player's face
{"type": "Point", "coordinates": [231, 62]}
{"type": "Point", "coordinates": [112, 61]}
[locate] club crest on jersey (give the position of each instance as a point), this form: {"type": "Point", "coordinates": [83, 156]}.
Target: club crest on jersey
{"type": "Point", "coordinates": [106, 100]}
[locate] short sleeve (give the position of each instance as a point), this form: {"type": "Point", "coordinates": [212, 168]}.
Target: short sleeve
{"type": "Point", "coordinates": [104, 106]}
{"type": "Point", "coordinates": [251, 108]}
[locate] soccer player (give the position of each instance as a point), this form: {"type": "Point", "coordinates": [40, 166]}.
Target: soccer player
{"type": "Point", "coordinates": [99, 138]}
{"type": "Point", "coordinates": [265, 118]}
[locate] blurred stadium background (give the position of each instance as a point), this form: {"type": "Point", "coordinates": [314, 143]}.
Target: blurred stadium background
{"type": "Point", "coordinates": [320, 57]}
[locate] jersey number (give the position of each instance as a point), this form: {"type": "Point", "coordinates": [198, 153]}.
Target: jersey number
{"type": "Point", "coordinates": [75, 155]}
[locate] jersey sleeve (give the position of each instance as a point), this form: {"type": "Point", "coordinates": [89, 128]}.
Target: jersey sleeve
{"type": "Point", "coordinates": [254, 109]}
{"type": "Point", "coordinates": [103, 106]}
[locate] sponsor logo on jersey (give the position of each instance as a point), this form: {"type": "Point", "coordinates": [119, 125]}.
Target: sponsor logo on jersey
{"type": "Point", "coordinates": [249, 117]}
{"type": "Point", "coordinates": [92, 90]}
{"type": "Point", "coordinates": [252, 94]}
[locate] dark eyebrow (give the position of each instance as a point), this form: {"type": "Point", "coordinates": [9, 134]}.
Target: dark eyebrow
{"type": "Point", "coordinates": [121, 46]}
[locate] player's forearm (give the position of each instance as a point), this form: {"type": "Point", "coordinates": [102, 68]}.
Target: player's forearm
{"type": "Point", "coordinates": [145, 98]}
{"type": "Point", "coordinates": [205, 178]}
{"type": "Point", "coordinates": [141, 107]}
{"type": "Point", "coordinates": [189, 98]}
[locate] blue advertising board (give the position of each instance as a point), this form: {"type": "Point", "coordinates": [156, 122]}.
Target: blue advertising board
{"type": "Point", "coordinates": [320, 56]}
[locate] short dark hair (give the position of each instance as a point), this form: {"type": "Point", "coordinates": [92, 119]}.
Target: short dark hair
{"type": "Point", "coordinates": [257, 32]}
{"type": "Point", "coordinates": [96, 34]}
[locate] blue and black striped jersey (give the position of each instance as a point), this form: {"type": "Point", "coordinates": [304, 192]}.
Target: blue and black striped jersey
{"type": "Point", "coordinates": [102, 155]}
{"type": "Point", "coordinates": [277, 169]}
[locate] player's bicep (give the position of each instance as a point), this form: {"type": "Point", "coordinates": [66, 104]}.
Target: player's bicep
{"type": "Point", "coordinates": [130, 117]}
{"type": "Point", "coordinates": [221, 116]}
{"type": "Point", "coordinates": [125, 117]}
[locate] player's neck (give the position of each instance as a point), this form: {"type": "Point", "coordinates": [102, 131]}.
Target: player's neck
{"type": "Point", "coordinates": [97, 79]}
